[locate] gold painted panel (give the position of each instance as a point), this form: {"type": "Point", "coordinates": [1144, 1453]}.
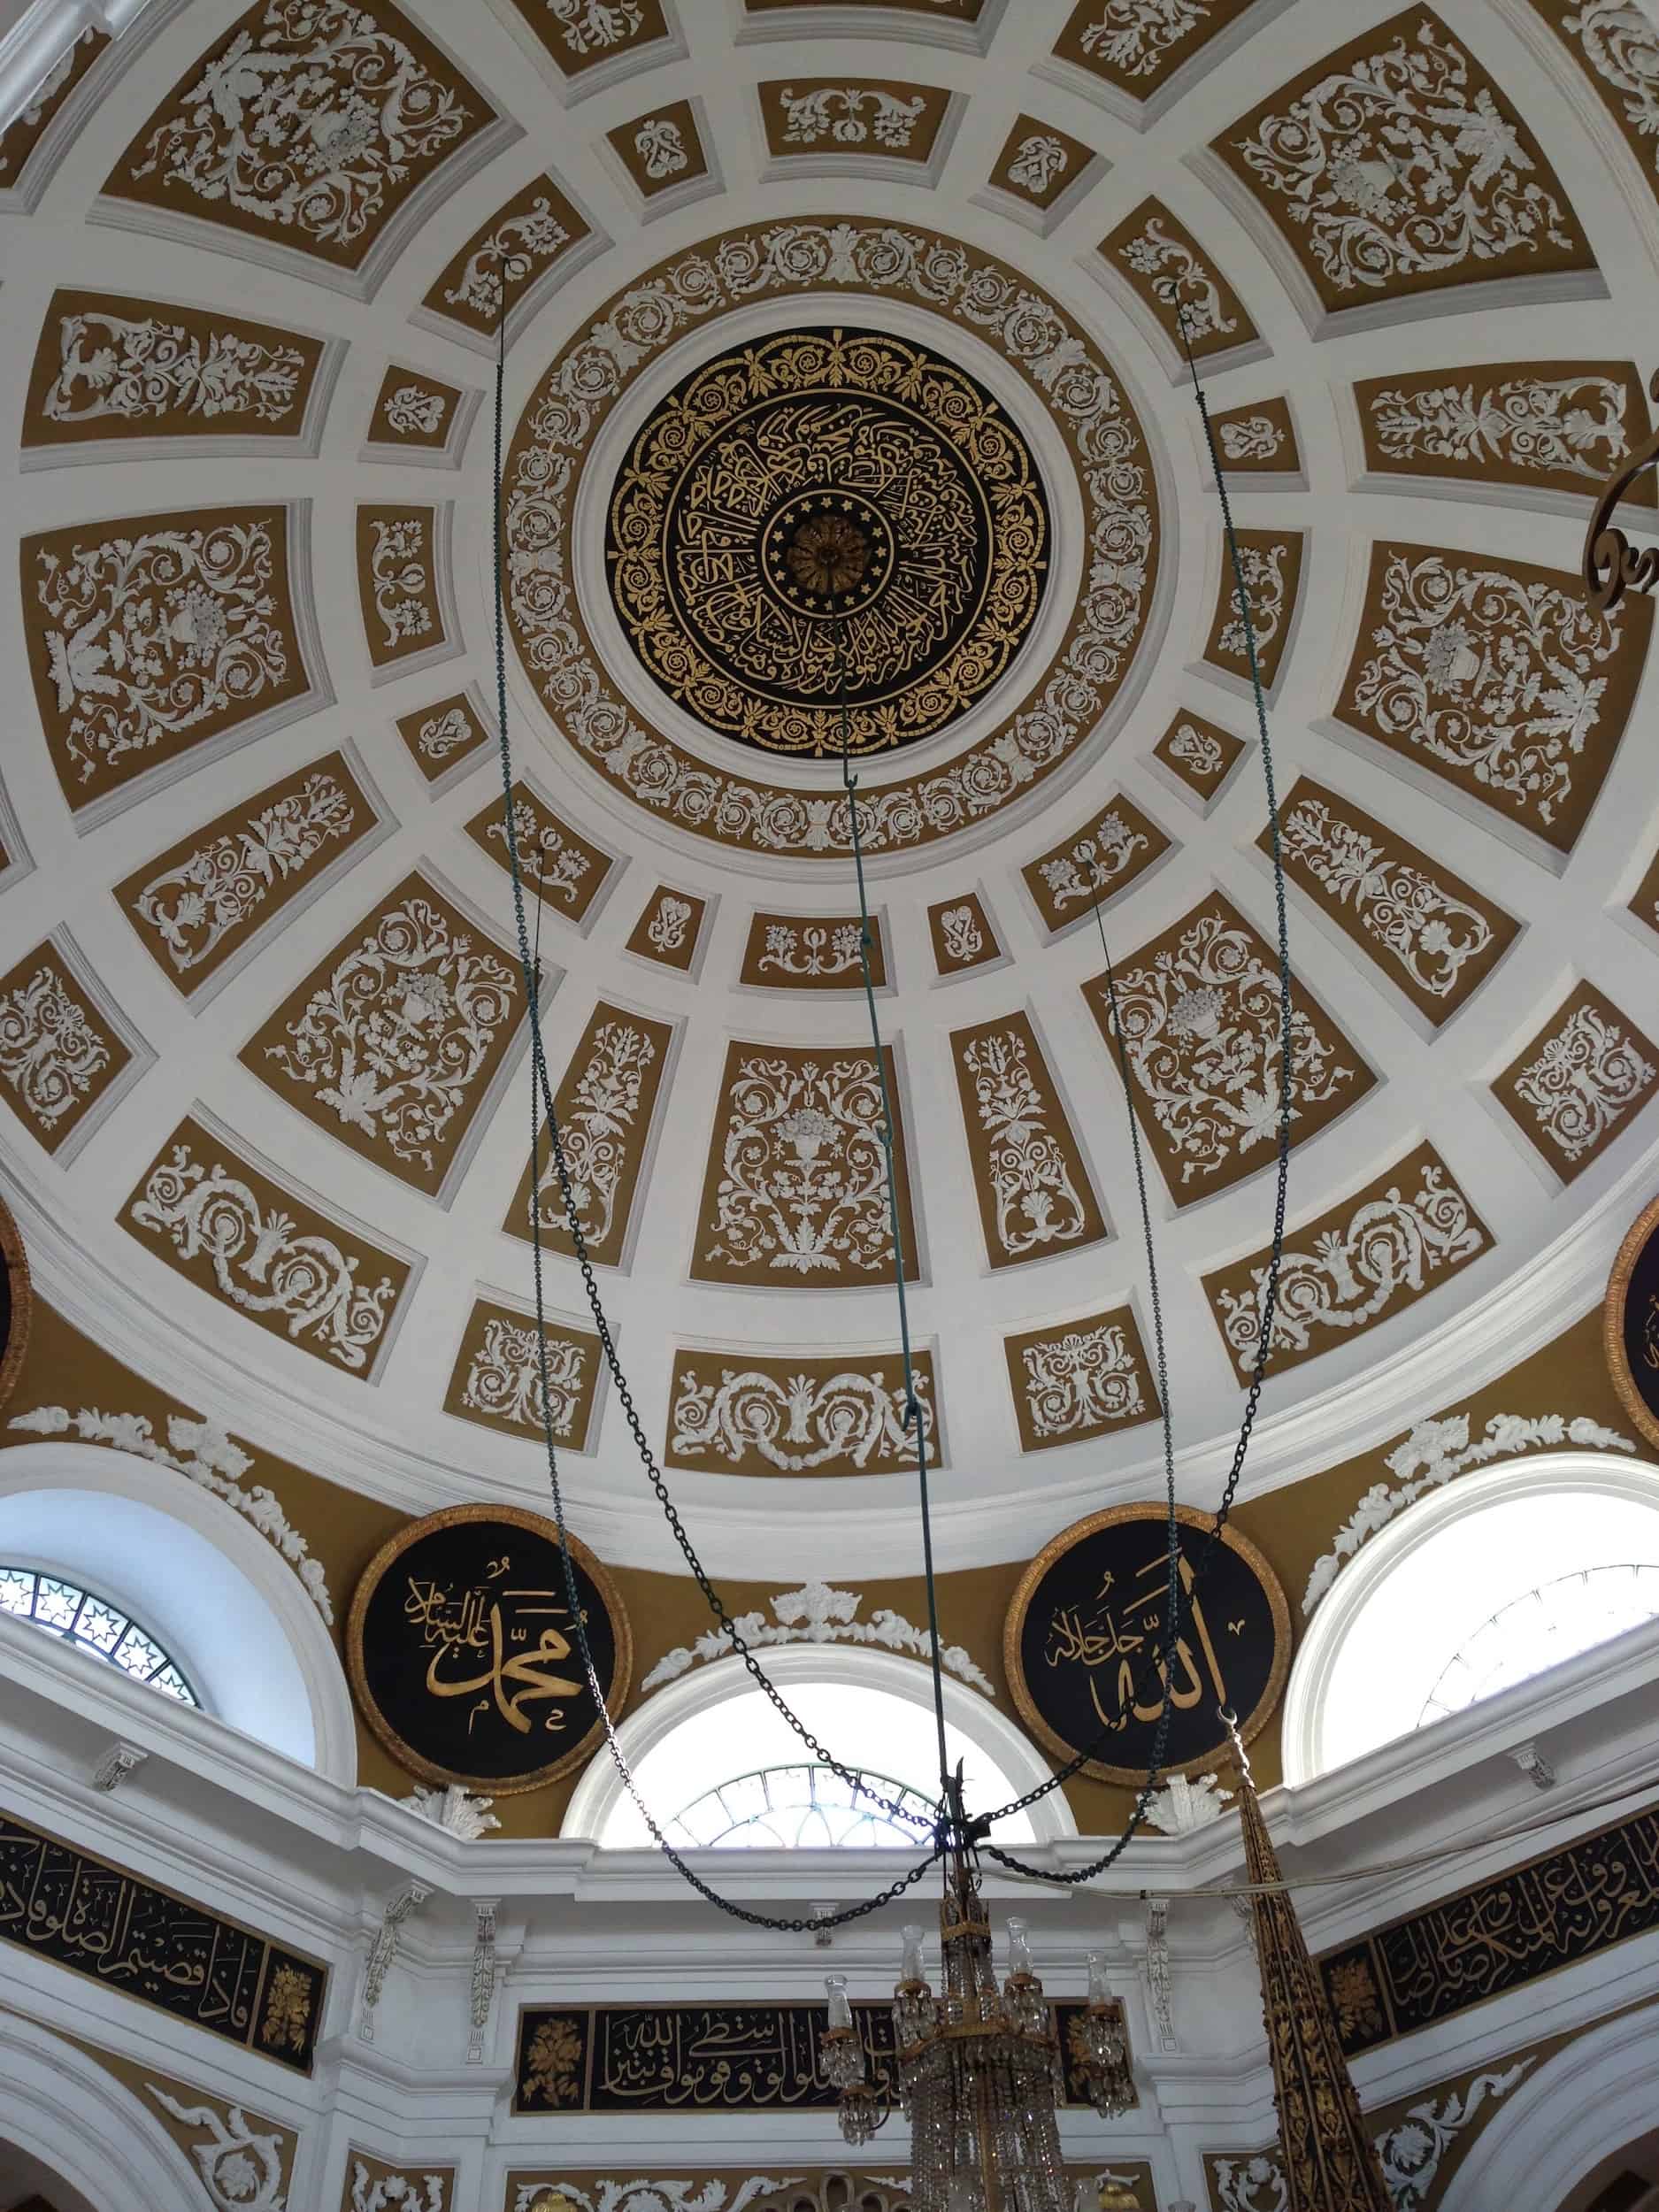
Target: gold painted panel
{"type": "Point", "coordinates": [200, 901]}
{"type": "Point", "coordinates": [30, 124]}
{"type": "Point", "coordinates": [606, 1102]}
{"type": "Point", "coordinates": [661, 149]}
{"type": "Point", "coordinates": [1102, 858]}
{"type": "Point", "coordinates": [440, 735]}
{"type": "Point", "coordinates": [1201, 754]}
{"type": "Point", "coordinates": [788, 952]}
{"type": "Point", "coordinates": [351, 109]}
{"type": "Point", "coordinates": [1272, 565]}
{"type": "Point", "coordinates": [1134, 47]}
{"type": "Point", "coordinates": [398, 551]}
{"type": "Point", "coordinates": [795, 1194]}
{"type": "Point", "coordinates": [862, 116]}
{"type": "Point", "coordinates": [736, 1413]}
{"type": "Point", "coordinates": [1258, 438]}
{"type": "Point", "coordinates": [58, 1052]}
{"type": "Point", "coordinates": [1201, 1012]}
{"type": "Point", "coordinates": [260, 1249]}
{"type": "Point", "coordinates": [1338, 160]}
{"type": "Point", "coordinates": [154, 633]}
{"type": "Point", "coordinates": [111, 365]}
{"type": "Point", "coordinates": [510, 251]}
{"type": "Point", "coordinates": [669, 924]}
{"type": "Point", "coordinates": [1072, 1380]}
{"type": "Point", "coordinates": [1029, 1174]}
{"type": "Point", "coordinates": [963, 936]}
{"type": "Point", "coordinates": [1546, 426]}
{"type": "Point", "coordinates": [579, 36]}
{"type": "Point", "coordinates": [413, 410]}
{"type": "Point", "coordinates": [1359, 1262]}
{"type": "Point", "coordinates": [1170, 271]}
{"type": "Point", "coordinates": [496, 1380]}
{"type": "Point", "coordinates": [1574, 1085]}
{"type": "Point", "coordinates": [393, 1040]}
{"type": "Point", "coordinates": [1495, 675]}
{"type": "Point", "coordinates": [1431, 934]}
{"type": "Point", "coordinates": [1614, 50]}
{"type": "Point", "coordinates": [1039, 161]}
{"type": "Point", "coordinates": [560, 866]}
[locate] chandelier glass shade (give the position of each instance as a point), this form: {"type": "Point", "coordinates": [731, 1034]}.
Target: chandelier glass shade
{"type": "Point", "coordinates": [980, 2073]}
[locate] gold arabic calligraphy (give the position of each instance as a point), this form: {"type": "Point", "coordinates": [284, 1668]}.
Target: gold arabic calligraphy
{"type": "Point", "coordinates": [474, 1637]}
{"type": "Point", "coordinates": [1121, 1630]}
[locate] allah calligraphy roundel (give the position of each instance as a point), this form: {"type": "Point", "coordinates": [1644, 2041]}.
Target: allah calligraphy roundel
{"type": "Point", "coordinates": [464, 1656]}
{"type": "Point", "coordinates": [1630, 1323]}
{"type": "Point", "coordinates": [1086, 1624]}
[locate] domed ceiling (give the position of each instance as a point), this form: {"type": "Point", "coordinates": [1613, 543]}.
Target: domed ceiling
{"type": "Point", "coordinates": [879, 303]}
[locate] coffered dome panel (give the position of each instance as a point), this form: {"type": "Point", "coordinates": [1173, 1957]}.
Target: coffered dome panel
{"type": "Point", "coordinates": [779, 312]}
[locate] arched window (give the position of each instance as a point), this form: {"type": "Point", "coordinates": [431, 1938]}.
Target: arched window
{"type": "Point", "coordinates": [803, 1807]}
{"type": "Point", "coordinates": [62, 1608]}
{"type": "Point", "coordinates": [1475, 1589]}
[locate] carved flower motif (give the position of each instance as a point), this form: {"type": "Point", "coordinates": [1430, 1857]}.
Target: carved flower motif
{"type": "Point", "coordinates": [237, 2178]}
{"type": "Point", "coordinates": [1353, 1994]}
{"type": "Point", "coordinates": [809, 1130]}
{"type": "Point", "coordinates": [1197, 1013]}
{"type": "Point", "coordinates": [288, 2010]}
{"type": "Point", "coordinates": [555, 2060]}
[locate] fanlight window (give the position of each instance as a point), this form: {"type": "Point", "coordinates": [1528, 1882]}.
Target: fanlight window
{"type": "Point", "coordinates": [92, 1624]}
{"type": "Point", "coordinates": [1556, 1621]}
{"type": "Point", "coordinates": [805, 1807]}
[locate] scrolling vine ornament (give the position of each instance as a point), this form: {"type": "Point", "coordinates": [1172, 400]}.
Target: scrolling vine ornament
{"type": "Point", "coordinates": [1612, 566]}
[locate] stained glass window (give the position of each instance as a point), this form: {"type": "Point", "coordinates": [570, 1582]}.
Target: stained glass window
{"type": "Point", "coordinates": [1555, 1621]}
{"type": "Point", "coordinates": [804, 1807]}
{"type": "Point", "coordinates": [93, 1624]}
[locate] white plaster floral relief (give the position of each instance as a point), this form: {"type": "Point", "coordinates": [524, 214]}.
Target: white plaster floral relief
{"type": "Point", "coordinates": [1081, 1380]}
{"type": "Point", "coordinates": [1523, 425]}
{"type": "Point", "coordinates": [816, 1613]}
{"type": "Point", "coordinates": [1036, 1200]}
{"type": "Point", "coordinates": [238, 2157]}
{"type": "Point", "coordinates": [797, 1424]}
{"type": "Point", "coordinates": [503, 1378]}
{"type": "Point", "coordinates": [53, 1050]}
{"type": "Point", "coordinates": [140, 368]}
{"type": "Point", "coordinates": [1132, 37]}
{"type": "Point", "coordinates": [1173, 272]}
{"type": "Point", "coordinates": [1579, 1083]}
{"type": "Point", "coordinates": [847, 115]}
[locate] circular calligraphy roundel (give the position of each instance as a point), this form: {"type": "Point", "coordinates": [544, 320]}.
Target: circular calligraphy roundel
{"type": "Point", "coordinates": [1086, 1624]}
{"type": "Point", "coordinates": [464, 1656]}
{"type": "Point", "coordinates": [825, 475]}
{"type": "Point", "coordinates": [1630, 1323]}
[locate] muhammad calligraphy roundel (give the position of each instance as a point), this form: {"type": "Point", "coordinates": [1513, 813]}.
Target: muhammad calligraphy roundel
{"type": "Point", "coordinates": [464, 1656]}
{"type": "Point", "coordinates": [1086, 1623]}
{"type": "Point", "coordinates": [1630, 1323]}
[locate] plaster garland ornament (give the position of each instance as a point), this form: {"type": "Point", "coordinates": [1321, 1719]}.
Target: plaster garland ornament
{"type": "Point", "coordinates": [264, 1263]}
{"type": "Point", "coordinates": [1255, 438]}
{"type": "Point", "coordinates": [483, 1990]}
{"type": "Point", "coordinates": [1267, 587]}
{"type": "Point", "coordinates": [308, 129]}
{"type": "Point", "coordinates": [816, 1613]}
{"type": "Point", "coordinates": [507, 255]}
{"type": "Point", "coordinates": [1527, 423]}
{"type": "Point", "coordinates": [1037, 1201]}
{"type": "Point", "coordinates": [563, 418]}
{"type": "Point", "coordinates": [1037, 162]}
{"type": "Point", "coordinates": [157, 632]}
{"type": "Point", "coordinates": [1395, 170]}
{"type": "Point", "coordinates": [1418, 922]}
{"type": "Point", "coordinates": [849, 1416]}
{"type": "Point", "coordinates": [50, 1052]}
{"type": "Point", "coordinates": [546, 855]}
{"type": "Point", "coordinates": [1184, 1803]}
{"type": "Point", "coordinates": [591, 26]}
{"type": "Point", "coordinates": [412, 413]}
{"type": "Point", "coordinates": [848, 115]}
{"type": "Point", "coordinates": [1081, 1380]}
{"type": "Point", "coordinates": [1174, 270]}
{"type": "Point", "coordinates": [1500, 678]}
{"type": "Point", "coordinates": [1581, 1082]}
{"type": "Point", "coordinates": [399, 2191]}
{"type": "Point", "coordinates": [1434, 1454]}
{"type": "Point", "coordinates": [1349, 1275]}
{"type": "Point", "coordinates": [659, 145]}
{"type": "Point", "coordinates": [240, 2166]}
{"type": "Point", "coordinates": [1133, 36]}
{"type": "Point", "coordinates": [1094, 863]}
{"type": "Point", "coordinates": [194, 905]}
{"type": "Point", "coordinates": [383, 1950]}
{"type": "Point", "coordinates": [399, 575]}
{"type": "Point", "coordinates": [598, 1129]}
{"type": "Point", "coordinates": [201, 1451]}
{"type": "Point", "coordinates": [505, 1378]}
{"type": "Point", "coordinates": [138, 367]}
{"type": "Point", "coordinates": [814, 949]}
{"type": "Point", "coordinates": [960, 929]}
{"type": "Point", "coordinates": [454, 1808]}
{"type": "Point", "coordinates": [400, 1034]}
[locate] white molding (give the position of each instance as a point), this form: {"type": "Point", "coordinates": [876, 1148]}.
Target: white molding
{"type": "Point", "coordinates": [68, 2111]}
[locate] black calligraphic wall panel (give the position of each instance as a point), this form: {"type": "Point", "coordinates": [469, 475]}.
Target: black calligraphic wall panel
{"type": "Point", "coordinates": [62, 1904]}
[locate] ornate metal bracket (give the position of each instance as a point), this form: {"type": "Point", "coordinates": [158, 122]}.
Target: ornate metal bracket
{"type": "Point", "coordinates": [1611, 566]}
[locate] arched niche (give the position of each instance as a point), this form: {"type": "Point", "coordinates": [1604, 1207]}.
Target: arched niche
{"type": "Point", "coordinates": [199, 1576]}
{"type": "Point", "coordinates": [704, 1711]}
{"type": "Point", "coordinates": [64, 2111]}
{"type": "Point", "coordinates": [1406, 1604]}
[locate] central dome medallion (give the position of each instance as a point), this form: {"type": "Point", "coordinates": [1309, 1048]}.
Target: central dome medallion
{"type": "Point", "coordinates": [818, 475]}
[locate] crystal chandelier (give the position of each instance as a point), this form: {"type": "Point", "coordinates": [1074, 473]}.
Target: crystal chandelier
{"type": "Point", "coordinates": [980, 2073]}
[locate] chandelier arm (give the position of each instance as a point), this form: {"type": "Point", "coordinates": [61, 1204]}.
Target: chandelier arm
{"type": "Point", "coordinates": [542, 1105]}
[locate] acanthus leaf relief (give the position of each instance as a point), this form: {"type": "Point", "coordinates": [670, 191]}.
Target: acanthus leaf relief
{"type": "Point", "coordinates": [505, 1378]}
{"type": "Point", "coordinates": [605, 1102]}
{"type": "Point", "coordinates": [1613, 40]}
{"type": "Point", "coordinates": [817, 1614]}
{"type": "Point", "coordinates": [411, 410]}
{"type": "Point", "coordinates": [55, 1053]}
{"type": "Point", "coordinates": [1100, 860]}
{"type": "Point", "coordinates": [817, 1418]}
{"type": "Point", "coordinates": [1574, 1085]}
{"type": "Point", "coordinates": [594, 26]}
{"type": "Point", "coordinates": [848, 115]}
{"type": "Point", "coordinates": [1131, 38]}
{"type": "Point", "coordinates": [518, 247]}
{"type": "Point", "coordinates": [666, 929]}
{"type": "Point", "coordinates": [963, 939]}
{"type": "Point", "coordinates": [311, 123]}
{"type": "Point", "coordinates": [661, 149]}
{"type": "Point", "coordinates": [1039, 161]}
{"type": "Point", "coordinates": [1032, 1191]}
{"type": "Point", "coordinates": [1078, 1381]}
{"type": "Point", "coordinates": [1249, 438]}
{"type": "Point", "coordinates": [546, 854]}
{"type": "Point", "coordinates": [1522, 426]}
{"type": "Point", "coordinates": [1398, 168]}
{"type": "Point", "coordinates": [239, 2156]}
{"type": "Point", "coordinates": [153, 373]}
{"type": "Point", "coordinates": [1272, 565]}
{"type": "Point", "coordinates": [813, 950]}
{"type": "Point", "coordinates": [399, 582]}
{"type": "Point", "coordinates": [1172, 271]}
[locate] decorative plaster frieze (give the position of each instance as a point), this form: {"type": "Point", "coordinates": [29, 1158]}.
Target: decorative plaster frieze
{"type": "Point", "coordinates": [816, 1614]}
{"type": "Point", "coordinates": [241, 2159]}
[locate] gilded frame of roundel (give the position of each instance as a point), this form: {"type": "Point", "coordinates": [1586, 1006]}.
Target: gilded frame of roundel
{"type": "Point", "coordinates": [1251, 1724]}
{"type": "Point", "coordinates": [404, 1753]}
{"type": "Point", "coordinates": [19, 1288]}
{"type": "Point", "coordinates": [1644, 1226]}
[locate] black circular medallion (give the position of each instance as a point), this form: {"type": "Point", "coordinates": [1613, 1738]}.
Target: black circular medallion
{"type": "Point", "coordinates": [464, 1656]}
{"type": "Point", "coordinates": [1630, 1323]}
{"type": "Point", "coordinates": [1086, 1623]}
